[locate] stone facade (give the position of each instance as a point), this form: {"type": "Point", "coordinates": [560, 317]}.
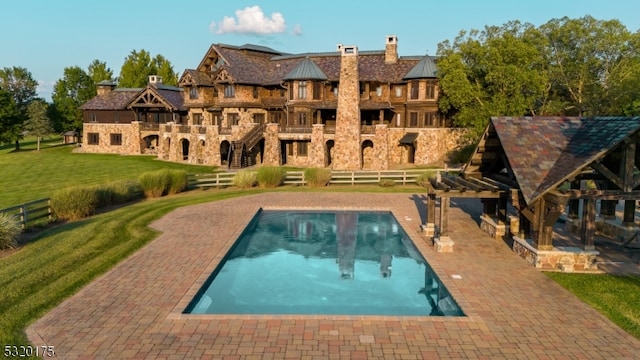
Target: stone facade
{"type": "Point", "coordinates": [566, 259]}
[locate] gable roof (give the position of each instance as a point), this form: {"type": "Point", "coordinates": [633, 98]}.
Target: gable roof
{"type": "Point", "coordinates": [158, 95]}
{"type": "Point", "coordinates": [305, 70]}
{"type": "Point", "coordinates": [426, 68]}
{"type": "Point", "coordinates": [194, 77]}
{"type": "Point", "coordinates": [543, 152]}
{"type": "Point", "coordinates": [118, 99]}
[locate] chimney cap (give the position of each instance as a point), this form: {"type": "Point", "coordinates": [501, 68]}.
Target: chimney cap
{"type": "Point", "coordinates": [391, 39]}
{"type": "Point", "coordinates": [155, 79]}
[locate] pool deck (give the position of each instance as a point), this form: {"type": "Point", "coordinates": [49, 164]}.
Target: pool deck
{"type": "Point", "coordinates": [513, 310]}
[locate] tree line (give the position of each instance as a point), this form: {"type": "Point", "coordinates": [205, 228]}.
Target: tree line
{"type": "Point", "coordinates": [565, 67]}
{"type": "Point", "coordinates": [22, 112]}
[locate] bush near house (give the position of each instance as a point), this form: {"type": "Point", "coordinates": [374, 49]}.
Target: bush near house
{"type": "Point", "coordinates": [9, 231]}
{"type": "Point", "coordinates": [245, 179]}
{"type": "Point", "coordinates": [387, 183]}
{"type": "Point", "coordinates": [270, 176]}
{"type": "Point", "coordinates": [163, 182]}
{"type": "Point", "coordinates": [178, 181]}
{"type": "Point", "coordinates": [317, 177]}
{"type": "Point", "coordinates": [75, 202]}
{"type": "Point", "coordinates": [118, 192]}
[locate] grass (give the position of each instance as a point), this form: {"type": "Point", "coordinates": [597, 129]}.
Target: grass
{"type": "Point", "coordinates": [63, 259]}
{"type": "Point", "coordinates": [30, 175]}
{"type": "Point", "coordinates": [615, 296]}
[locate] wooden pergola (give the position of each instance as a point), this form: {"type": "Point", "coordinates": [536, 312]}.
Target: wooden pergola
{"type": "Point", "coordinates": [537, 164]}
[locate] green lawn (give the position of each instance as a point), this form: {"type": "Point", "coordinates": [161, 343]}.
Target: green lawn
{"type": "Point", "coordinates": [616, 297]}
{"type": "Point", "coordinates": [30, 175]}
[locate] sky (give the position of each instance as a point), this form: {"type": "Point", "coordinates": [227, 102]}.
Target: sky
{"type": "Point", "coordinates": [46, 36]}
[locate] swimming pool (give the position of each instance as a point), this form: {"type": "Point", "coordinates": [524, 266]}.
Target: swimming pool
{"type": "Point", "coordinates": [324, 263]}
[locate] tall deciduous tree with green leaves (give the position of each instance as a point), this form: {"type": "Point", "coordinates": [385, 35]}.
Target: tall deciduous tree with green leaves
{"type": "Point", "coordinates": [20, 85]}
{"type": "Point", "coordinates": [38, 124]}
{"type": "Point", "coordinates": [9, 115]}
{"type": "Point", "coordinates": [98, 71]}
{"type": "Point", "coordinates": [589, 59]}
{"type": "Point", "coordinates": [496, 71]}
{"type": "Point", "coordinates": [139, 65]}
{"type": "Point", "coordinates": [69, 93]}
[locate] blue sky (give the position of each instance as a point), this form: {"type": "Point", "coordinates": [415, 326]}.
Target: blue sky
{"type": "Point", "coordinates": [46, 36]}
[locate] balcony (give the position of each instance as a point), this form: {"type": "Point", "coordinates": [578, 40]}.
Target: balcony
{"type": "Point", "coordinates": [145, 126]}
{"type": "Point", "coordinates": [298, 129]}
{"type": "Point", "coordinates": [224, 130]}
{"type": "Point", "coordinates": [184, 129]}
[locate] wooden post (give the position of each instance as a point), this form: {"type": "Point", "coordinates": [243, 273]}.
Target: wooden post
{"type": "Point", "coordinates": [431, 209]}
{"type": "Point", "coordinates": [588, 229]}
{"type": "Point", "coordinates": [23, 216]}
{"type": "Point", "coordinates": [492, 205]}
{"type": "Point", "coordinates": [444, 216]}
{"type": "Point", "coordinates": [608, 209]}
{"type": "Point", "coordinates": [574, 204]}
{"type": "Point", "coordinates": [629, 213]}
{"type": "Point", "coordinates": [502, 209]}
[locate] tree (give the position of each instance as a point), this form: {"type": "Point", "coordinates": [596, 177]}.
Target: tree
{"type": "Point", "coordinates": [38, 123]}
{"type": "Point", "coordinates": [498, 71]}
{"type": "Point", "coordinates": [9, 116]}
{"type": "Point", "coordinates": [139, 65]}
{"type": "Point", "coordinates": [69, 93]}
{"type": "Point", "coordinates": [165, 69]}
{"type": "Point", "coordinates": [98, 71]}
{"type": "Point", "coordinates": [589, 60]}
{"type": "Point", "coordinates": [21, 86]}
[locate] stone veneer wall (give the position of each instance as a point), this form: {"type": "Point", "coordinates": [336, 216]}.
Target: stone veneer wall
{"type": "Point", "coordinates": [432, 145]}
{"type": "Point", "coordinates": [347, 153]}
{"type": "Point", "coordinates": [381, 148]}
{"type": "Point", "coordinates": [131, 140]}
{"type": "Point", "coordinates": [317, 147]}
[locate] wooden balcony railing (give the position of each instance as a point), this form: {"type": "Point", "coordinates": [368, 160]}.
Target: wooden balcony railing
{"type": "Point", "coordinates": [224, 130]}
{"type": "Point", "coordinates": [149, 126]}
{"type": "Point", "coordinates": [299, 129]}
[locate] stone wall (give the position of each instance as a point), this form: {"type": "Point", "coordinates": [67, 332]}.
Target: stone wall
{"type": "Point", "coordinates": [130, 132]}
{"type": "Point", "coordinates": [566, 259]}
{"type": "Point", "coordinates": [432, 145]}
{"type": "Point", "coordinates": [271, 154]}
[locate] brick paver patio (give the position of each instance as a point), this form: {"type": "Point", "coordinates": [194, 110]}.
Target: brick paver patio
{"type": "Point", "coordinates": [514, 311]}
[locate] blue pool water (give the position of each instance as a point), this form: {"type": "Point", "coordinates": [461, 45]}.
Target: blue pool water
{"type": "Point", "coordinates": [324, 263]}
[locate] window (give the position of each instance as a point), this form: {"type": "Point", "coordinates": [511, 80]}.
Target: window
{"type": "Point", "coordinates": [302, 118]}
{"type": "Point", "coordinates": [282, 93]}
{"type": "Point", "coordinates": [379, 91]}
{"type": "Point", "coordinates": [116, 117]}
{"type": "Point", "coordinates": [290, 148]}
{"type": "Point", "coordinates": [229, 91]}
{"type": "Point", "coordinates": [93, 138]}
{"type": "Point", "coordinates": [302, 89]}
{"type": "Point", "coordinates": [193, 92]}
{"type": "Point", "coordinates": [431, 89]}
{"type": "Point", "coordinates": [233, 119]}
{"type": "Point", "coordinates": [197, 119]}
{"type": "Point", "coordinates": [413, 119]}
{"type": "Point", "coordinates": [398, 91]}
{"type": "Point", "coordinates": [430, 119]}
{"type": "Point", "coordinates": [303, 147]}
{"type": "Point", "coordinates": [116, 139]}
{"type": "Point", "coordinates": [93, 117]}
{"type": "Point", "coordinates": [334, 88]}
{"type": "Point", "coordinates": [258, 118]}
{"type": "Point", "coordinates": [255, 92]}
{"type": "Point", "coordinates": [414, 89]}
{"type": "Point", "coordinates": [291, 91]}
{"type": "Point", "coordinates": [274, 117]}
{"type": "Point", "coordinates": [317, 89]}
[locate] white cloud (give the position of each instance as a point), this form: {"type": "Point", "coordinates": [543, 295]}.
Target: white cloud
{"type": "Point", "coordinates": [45, 88]}
{"type": "Point", "coordinates": [297, 30]}
{"type": "Point", "coordinates": [250, 20]}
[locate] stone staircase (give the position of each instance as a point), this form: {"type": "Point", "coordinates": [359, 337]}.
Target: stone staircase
{"type": "Point", "coordinates": [240, 149]}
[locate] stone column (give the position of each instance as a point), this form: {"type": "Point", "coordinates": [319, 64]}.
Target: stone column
{"type": "Point", "coordinates": [346, 152]}
{"type": "Point", "coordinates": [381, 148]}
{"type": "Point", "coordinates": [316, 151]}
{"type": "Point", "coordinates": [272, 153]}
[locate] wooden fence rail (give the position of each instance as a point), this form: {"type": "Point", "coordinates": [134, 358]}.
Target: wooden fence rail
{"type": "Point", "coordinates": [363, 177]}
{"type": "Point", "coordinates": [29, 213]}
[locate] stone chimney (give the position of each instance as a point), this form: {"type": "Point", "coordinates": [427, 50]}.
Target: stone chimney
{"type": "Point", "coordinates": [391, 50]}
{"type": "Point", "coordinates": [347, 154]}
{"type": "Point", "coordinates": [104, 87]}
{"type": "Point", "coordinates": [155, 79]}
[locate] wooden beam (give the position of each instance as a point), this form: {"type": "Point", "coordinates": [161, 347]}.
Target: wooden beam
{"type": "Point", "coordinates": [499, 181]}
{"type": "Point", "coordinates": [604, 194]}
{"type": "Point", "coordinates": [629, 162]}
{"type": "Point", "coordinates": [484, 184]}
{"type": "Point", "coordinates": [528, 214]}
{"type": "Point", "coordinates": [473, 185]}
{"type": "Point", "coordinates": [453, 184]}
{"type": "Point", "coordinates": [604, 171]}
{"type": "Point", "coordinates": [556, 198]}
{"type": "Point", "coordinates": [444, 216]}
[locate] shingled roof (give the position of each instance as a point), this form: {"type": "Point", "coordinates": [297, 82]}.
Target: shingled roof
{"type": "Point", "coordinates": [543, 152]}
{"type": "Point", "coordinates": [117, 99]}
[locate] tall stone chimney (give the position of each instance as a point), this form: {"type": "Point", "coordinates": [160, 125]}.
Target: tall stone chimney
{"type": "Point", "coordinates": [391, 50]}
{"type": "Point", "coordinates": [347, 154]}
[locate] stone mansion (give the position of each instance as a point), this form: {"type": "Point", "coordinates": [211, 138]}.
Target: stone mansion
{"type": "Point", "coordinates": [247, 105]}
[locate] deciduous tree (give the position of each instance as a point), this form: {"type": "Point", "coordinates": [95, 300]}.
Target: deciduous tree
{"type": "Point", "coordinates": [69, 93]}
{"type": "Point", "coordinates": [21, 86]}
{"type": "Point", "coordinates": [138, 65]}
{"type": "Point", "coordinates": [38, 124]}
{"type": "Point", "coordinates": [98, 71]}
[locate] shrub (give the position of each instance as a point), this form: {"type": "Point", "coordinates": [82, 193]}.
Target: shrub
{"type": "Point", "coordinates": [118, 192]}
{"type": "Point", "coordinates": [387, 183]}
{"type": "Point", "coordinates": [9, 231]}
{"type": "Point", "coordinates": [462, 155]}
{"type": "Point", "coordinates": [423, 179]}
{"type": "Point", "coordinates": [154, 183]}
{"type": "Point", "coordinates": [75, 202]}
{"type": "Point", "coordinates": [317, 177]}
{"type": "Point", "coordinates": [270, 176]}
{"type": "Point", "coordinates": [244, 179]}
{"type": "Point", "coordinates": [178, 181]}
